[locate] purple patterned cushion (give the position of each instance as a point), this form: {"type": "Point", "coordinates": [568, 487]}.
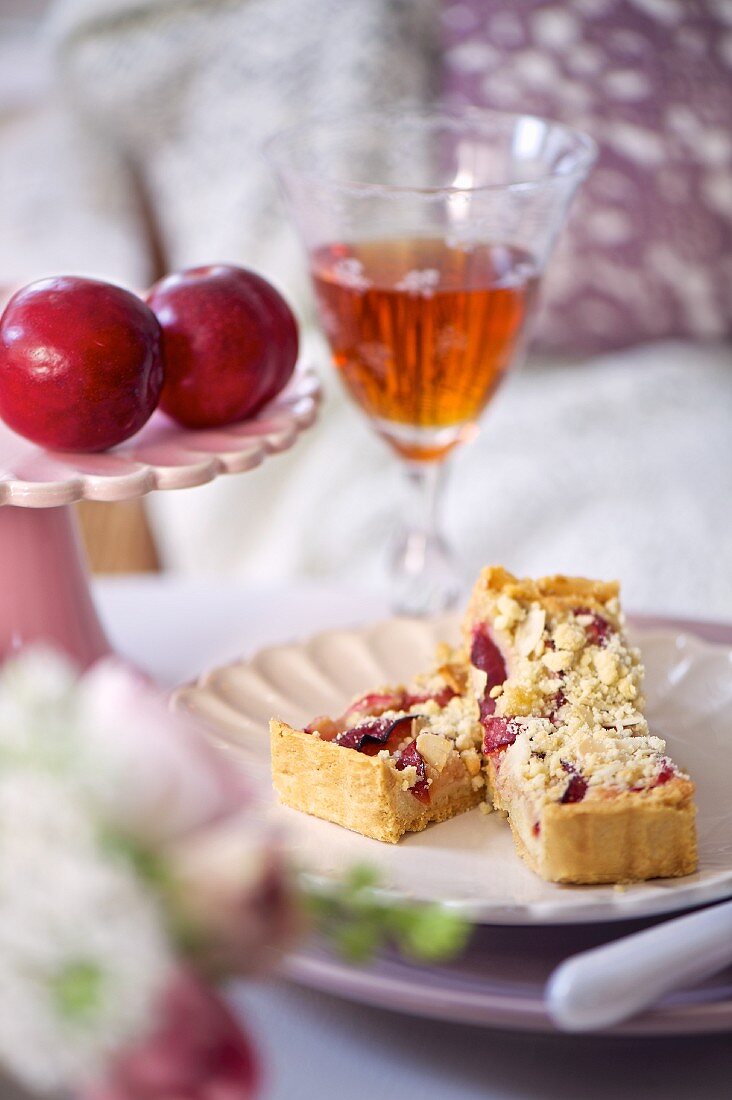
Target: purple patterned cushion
{"type": "Point", "coordinates": [648, 251]}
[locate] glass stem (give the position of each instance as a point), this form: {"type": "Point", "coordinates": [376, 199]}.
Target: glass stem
{"type": "Point", "coordinates": [425, 579]}
{"type": "Point", "coordinates": [426, 481]}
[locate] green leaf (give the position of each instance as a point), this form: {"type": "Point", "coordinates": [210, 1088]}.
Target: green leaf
{"type": "Point", "coordinates": [361, 876]}
{"type": "Point", "coordinates": [358, 941]}
{"type": "Point", "coordinates": [358, 921]}
{"type": "Point", "coordinates": [434, 932]}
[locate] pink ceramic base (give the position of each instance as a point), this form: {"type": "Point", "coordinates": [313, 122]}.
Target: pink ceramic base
{"type": "Point", "coordinates": [44, 585]}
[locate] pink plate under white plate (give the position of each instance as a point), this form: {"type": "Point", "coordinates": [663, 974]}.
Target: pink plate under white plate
{"type": "Point", "coordinates": [469, 863]}
{"type": "Point", "coordinates": [499, 982]}
{"type": "Point", "coordinates": [161, 456]}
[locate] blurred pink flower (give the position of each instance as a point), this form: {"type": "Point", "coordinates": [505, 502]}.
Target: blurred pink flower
{"type": "Point", "coordinates": [197, 1051]}
{"type": "Point", "coordinates": [160, 777]}
{"type": "Point", "coordinates": [234, 892]}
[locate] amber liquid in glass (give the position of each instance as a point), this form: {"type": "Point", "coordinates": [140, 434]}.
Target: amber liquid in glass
{"type": "Point", "coordinates": [422, 332]}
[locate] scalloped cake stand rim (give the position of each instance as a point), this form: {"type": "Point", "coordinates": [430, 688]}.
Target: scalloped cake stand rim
{"type": "Point", "coordinates": [161, 456]}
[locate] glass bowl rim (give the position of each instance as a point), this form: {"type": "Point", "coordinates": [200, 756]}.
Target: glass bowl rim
{"type": "Point", "coordinates": [274, 145]}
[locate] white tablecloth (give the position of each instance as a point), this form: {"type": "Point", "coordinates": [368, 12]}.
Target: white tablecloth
{"type": "Point", "coordinates": [317, 1047]}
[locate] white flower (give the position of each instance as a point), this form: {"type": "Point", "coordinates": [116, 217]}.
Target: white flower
{"type": "Point", "coordinates": [83, 948]}
{"type": "Point", "coordinates": [143, 770]}
{"type": "Point", "coordinates": [38, 710]}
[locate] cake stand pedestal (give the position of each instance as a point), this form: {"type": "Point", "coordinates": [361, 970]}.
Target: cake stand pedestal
{"type": "Point", "coordinates": [44, 582]}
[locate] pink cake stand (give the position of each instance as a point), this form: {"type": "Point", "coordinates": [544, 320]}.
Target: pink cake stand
{"type": "Point", "coordinates": [44, 582]}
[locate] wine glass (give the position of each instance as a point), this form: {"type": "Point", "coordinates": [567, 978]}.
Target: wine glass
{"type": "Point", "coordinates": [427, 233]}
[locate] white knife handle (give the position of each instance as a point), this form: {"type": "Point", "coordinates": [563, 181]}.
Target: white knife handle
{"type": "Point", "coordinates": [611, 983]}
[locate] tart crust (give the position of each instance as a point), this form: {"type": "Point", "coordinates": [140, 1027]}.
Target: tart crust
{"type": "Point", "coordinates": [630, 838]}
{"type": "Point", "coordinates": [556, 594]}
{"type": "Point", "coordinates": [362, 793]}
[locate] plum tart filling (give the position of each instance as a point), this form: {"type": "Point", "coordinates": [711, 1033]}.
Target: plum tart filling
{"type": "Point", "coordinates": [417, 730]}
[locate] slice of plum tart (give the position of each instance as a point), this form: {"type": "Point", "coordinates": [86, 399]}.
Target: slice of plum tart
{"type": "Point", "coordinates": [395, 761]}
{"type": "Point", "coordinates": [591, 795]}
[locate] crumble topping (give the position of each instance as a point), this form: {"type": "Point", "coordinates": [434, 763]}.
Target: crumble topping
{"type": "Point", "coordinates": [442, 730]}
{"type": "Point", "coordinates": [458, 721]}
{"type": "Point", "coordinates": [449, 670]}
{"type": "Point", "coordinates": [410, 777]}
{"type": "Point", "coordinates": [433, 749]}
{"type": "Point", "coordinates": [569, 720]}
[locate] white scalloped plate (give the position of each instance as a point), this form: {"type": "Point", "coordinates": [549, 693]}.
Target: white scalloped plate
{"type": "Point", "coordinates": [470, 863]}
